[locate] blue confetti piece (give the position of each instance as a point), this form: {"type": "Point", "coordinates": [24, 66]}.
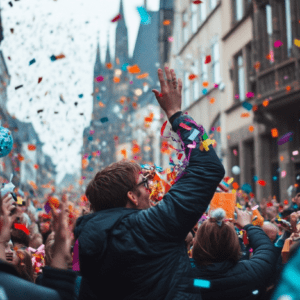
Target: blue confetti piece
{"type": "Point", "coordinates": [193, 135]}
{"type": "Point", "coordinates": [103, 120]}
{"type": "Point", "coordinates": [145, 17]}
{"type": "Point", "coordinates": [90, 138]}
{"type": "Point", "coordinates": [80, 96]}
{"type": "Point", "coordinates": [275, 178]}
{"type": "Point", "coordinates": [159, 169]}
{"type": "Point", "coordinates": [124, 67]}
{"type": "Point", "coordinates": [247, 105]}
{"type": "Point", "coordinates": [255, 292]}
{"type": "Point", "coordinates": [32, 62]}
{"type": "Point", "coordinates": [255, 178]}
{"type": "Point", "coordinates": [204, 91]}
{"type": "Point", "coordinates": [6, 141]}
{"type": "Point", "coordinates": [53, 58]}
{"type": "Point", "coordinates": [246, 187]}
{"type": "Point", "coordinates": [202, 283]}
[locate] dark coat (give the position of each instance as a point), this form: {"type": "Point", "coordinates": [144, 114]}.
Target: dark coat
{"type": "Point", "coordinates": [245, 280]}
{"type": "Point", "coordinates": [141, 254]}
{"type": "Point", "coordinates": [57, 284]}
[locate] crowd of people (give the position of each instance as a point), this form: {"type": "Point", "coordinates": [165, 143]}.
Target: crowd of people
{"type": "Point", "coordinates": [124, 245]}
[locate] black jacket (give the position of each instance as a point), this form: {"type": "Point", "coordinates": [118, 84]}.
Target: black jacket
{"type": "Point", "coordinates": [57, 284]}
{"type": "Point", "coordinates": [245, 280]}
{"type": "Point", "coordinates": [141, 254]}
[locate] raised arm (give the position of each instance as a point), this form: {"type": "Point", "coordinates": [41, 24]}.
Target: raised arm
{"type": "Point", "coordinates": [190, 196]}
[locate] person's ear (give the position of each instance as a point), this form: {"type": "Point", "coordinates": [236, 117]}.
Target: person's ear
{"type": "Point", "coordinates": [132, 198]}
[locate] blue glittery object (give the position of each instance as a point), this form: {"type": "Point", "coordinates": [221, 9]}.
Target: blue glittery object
{"type": "Point", "coordinates": [255, 178]}
{"type": "Point", "coordinates": [275, 178]}
{"type": "Point", "coordinates": [90, 138]}
{"type": "Point", "coordinates": [202, 283]}
{"type": "Point", "coordinates": [6, 141]}
{"type": "Point", "coordinates": [124, 67]}
{"type": "Point", "coordinates": [204, 91]}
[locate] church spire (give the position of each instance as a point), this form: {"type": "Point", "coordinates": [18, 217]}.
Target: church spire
{"type": "Point", "coordinates": [107, 58]}
{"type": "Point", "coordinates": [98, 65]}
{"type": "Point", "coordinates": [121, 50]}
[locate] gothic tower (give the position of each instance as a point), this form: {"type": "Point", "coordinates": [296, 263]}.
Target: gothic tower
{"type": "Point", "coordinates": [98, 82]}
{"type": "Point", "coordinates": [121, 53]}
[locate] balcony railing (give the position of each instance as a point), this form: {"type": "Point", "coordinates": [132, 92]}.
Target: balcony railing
{"type": "Point", "coordinates": [279, 79]}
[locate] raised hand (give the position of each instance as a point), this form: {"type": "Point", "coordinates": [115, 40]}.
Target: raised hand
{"type": "Point", "coordinates": [243, 218]}
{"type": "Point", "coordinates": [63, 237]}
{"type": "Point", "coordinates": [170, 97]}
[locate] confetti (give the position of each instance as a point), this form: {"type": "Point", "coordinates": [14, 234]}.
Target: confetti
{"type": "Point", "coordinates": [31, 147]}
{"type": "Point", "coordinates": [193, 135]}
{"type": "Point", "coordinates": [261, 182]}
{"type": "Point", "coordinates": [166, 22]}
{"type": "Point", "coordinates": [185, 126]}
{"type": "Point", "coordinates": [116, 18]}
{"type": "Point", "coordinates": [197, 1]}
{"type": "Point", "coordinates": [297, 43]}
{"type": "Point", "coordinates": [202, 283]}
{"type": "Point", "coordinates": [80, 96]}
{"type": "Point", "coordinates": [40, 79]}
{"type": "Point", "coordinates": [18, 87]}
{"type": "Point", "coordinates": [250, 95]}
{"type": "Point", "coordinates": [32, 62]}
{"type": "Point", "coordinates": [274, 132]}
{"type": "Point", "coordinates": [251, 128]}
{"type": "Point", "coordinates": [133, 69]}
{"type": "Point", "coordinates": [278, 44]}
{"type": "Point", "coordinates": [99, 78]}
{"type": "Point", "coordinates": [245, 115]}
{"type": "Point", "coordinates": [284, 139]}
{"type": "Point", "coordinates": [53, 58]}
{"type": "Point", "coordinates": [145, 17]}
{"type": "Point", "coordinates": [247, 105]}
{"type": "Point", "coordinates": [192, 76]}
{"type": "Point", "coordinates": [103, 120]}
{"type": "Point", "coordinates": [47, 207]}
{"type": "Point", "coordinates": [207, 59]}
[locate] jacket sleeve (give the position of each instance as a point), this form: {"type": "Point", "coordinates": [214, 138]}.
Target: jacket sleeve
{"type": "Point", "coordinates": [263, 262]}
{"type": "Point", "coordinates": [174, 216]}
{"type": "Point", "coordinates": [63, 281]}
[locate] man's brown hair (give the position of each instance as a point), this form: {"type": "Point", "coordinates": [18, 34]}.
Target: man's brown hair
{"type": "Point", "coordinates": [214, 243]}
{"type": "Point", "coordinates": [109, 187]}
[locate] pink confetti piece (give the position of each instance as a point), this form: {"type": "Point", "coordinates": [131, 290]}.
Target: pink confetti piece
{"type": "Point", "coordinates": [255, 207]}
{"type": "Point", "coordinates": [185, 126]}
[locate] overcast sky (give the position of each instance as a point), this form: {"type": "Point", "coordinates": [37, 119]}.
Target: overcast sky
{"type": "Point", "coordinates": [35, 29]}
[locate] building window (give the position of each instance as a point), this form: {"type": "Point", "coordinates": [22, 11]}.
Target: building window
{"type": "Point", "coordinates": [240, 77]}
{"type": "Point", "coordinates": [194, 21]}
{"type": "Point", "coordinates": [238, 10]}
{"type": "Point", "coordinates": [185, 27]}
{"type": "Point", "coordinates": [269, 33]}
{"type": "Point", "coordinates": [288, 20]}
{"type": "Point", "coordinates": [195, 89]}
{"type": "Point", "coordinates": [212, 4]}
{"type": "Point", "coordinates": [186, 90]}
{"type": "Point", "coordinates": [204, 69]}
{"type": "Point", "coordinates": [215, 59]}
{"type": "Point", "coordinates": [202, 15]}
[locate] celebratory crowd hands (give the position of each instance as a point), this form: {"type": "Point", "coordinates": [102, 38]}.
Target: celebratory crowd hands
{"type": "Point", "coordinates": [169, 98]}
{"type": "Point", "coordinates": [63, 235]}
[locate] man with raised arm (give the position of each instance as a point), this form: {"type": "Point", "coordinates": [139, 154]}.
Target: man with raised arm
{"type": "Point", "coordinates": [130, 250]}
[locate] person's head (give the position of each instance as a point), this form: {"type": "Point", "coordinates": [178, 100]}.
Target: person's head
{"type": "Point", "coordinates": [271, 212]}
{"type": "Point", "coordinates": [189, 241]}
{"type": "Point", "coordinates": [216, 241]}
{"type": "Point", "coordinates": [120, 184]}
{"type": "Point", "coordinates": [23, 264]}
{"type": "Point", "coordinates": [271, 230]}
{"type": "Point", "coordinates": [9, 252]}
{"type": "Point", "coordinates": [36, 241]}
{"type": "Point", "coordinates": [49, 249]}
{"type": "Point", "coordinates": [297, 198]}
{"type": "Point", "coordinates": [19, 238]}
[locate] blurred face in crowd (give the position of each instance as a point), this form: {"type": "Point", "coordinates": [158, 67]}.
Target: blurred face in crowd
{"type": "Point", "coordinates": [9, 253]}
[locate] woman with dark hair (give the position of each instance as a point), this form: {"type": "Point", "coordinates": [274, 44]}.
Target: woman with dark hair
{"type": "Point", "coordinates": [216, 254]}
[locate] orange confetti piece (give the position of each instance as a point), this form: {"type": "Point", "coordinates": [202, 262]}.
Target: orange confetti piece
{"type": "Point", "coordinates": [84, 163]}
{"type": "Point", "coordinates": [134, 105]}
{"type": "Point", "coordinates": [163, 128]}
{"type": "Point", "coordinates": [34, 186]}
{"type": "Point", "coordinates": [219, 129]}
{"type": "Point", "coordinates": [265, 103]}
{"type": "Point", "coordinates": [101, 104]}
{"type": "Point", "coordinates": [109, 66]}
{"type": "Point", "coordinates": [281, 157]}
{"type": "Point", "coordinates": [274, 132]}
{"type": "Point", "coordinates": [245, 115]}
{"type": "Point", "coordinates": [145, 75]}
{"type": "Point", "coordinates": [124, 153]}
{"type": "Point", "coordinates": [228, 137]}
{"type": "Point", "coordinates": [166, 22]}
{"type": "Point", "coordinates": [235, 185]}
{"type": "Point", "coordinates": [36, 166]}
{"type": "Point", "coordinates": [255, 108]}
{"type": "Point", "coordinates": [257, 66]}
{"type": "Point", "coordinates": [285, 202]}
{"type": "Point", "coordinates": [31, 147]}
{"type": "Point", "coordinates": [212, 100]}
{"type": "Point", "coordinates": [117, 79]}
{"type": "Point", "coordinates": [61, 56]}
{"type": "Point", "coordinates": [288, 88]}
{"type": "Point", "coordinates": [205, 83]}
{"type": "Point", "coordinates": [192, 77]}
{"type": "Point", "coordinates": [133, 69]}
{"type": "Point", "coordinates": [251, 128]}
{"type": "Point", "coordinates": [20, 157]}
